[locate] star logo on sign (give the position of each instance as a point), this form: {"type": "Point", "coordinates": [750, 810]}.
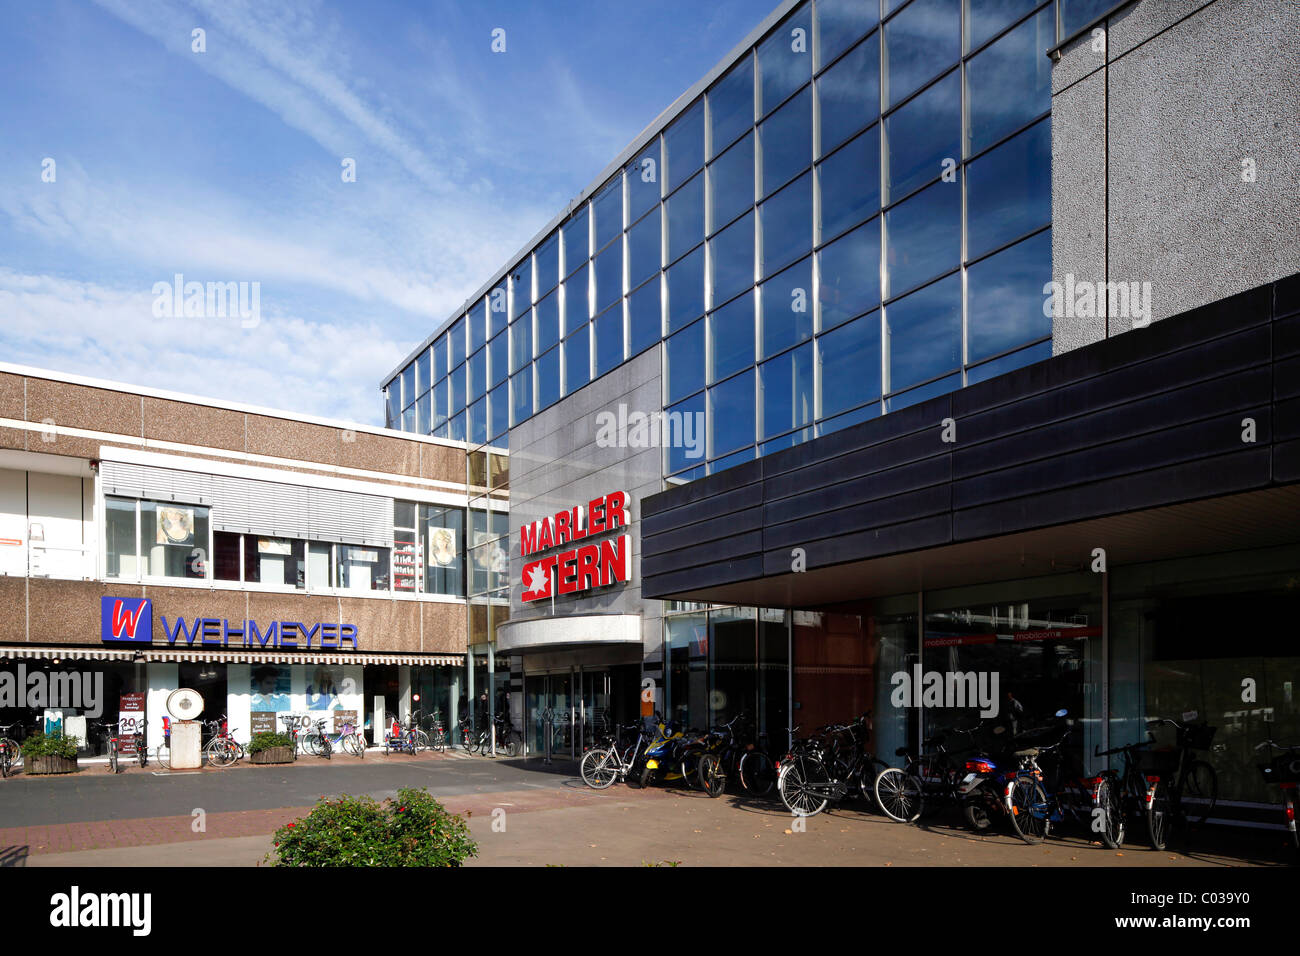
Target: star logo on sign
{"type": "Point", "coordinates": [538, 581]}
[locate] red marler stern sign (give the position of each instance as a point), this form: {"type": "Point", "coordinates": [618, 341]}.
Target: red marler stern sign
{"type": "Point", "coordinates": [593, 565]}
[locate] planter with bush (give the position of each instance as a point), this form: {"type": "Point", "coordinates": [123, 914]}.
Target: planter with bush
{"type": "Point", "coordinates": [270, 747]}
{"type": "Point", "coordinates": [49, 753]}
{"type": "Point", "coordinates": [412, 830]}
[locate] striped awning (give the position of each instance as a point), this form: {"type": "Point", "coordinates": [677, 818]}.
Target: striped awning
{"type": "Point", "coordinates": [31, 652]}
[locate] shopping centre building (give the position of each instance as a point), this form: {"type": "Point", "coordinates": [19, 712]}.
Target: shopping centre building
{"type": "Point", "coordinates": [280, 565]}
{"type": "Point", "coordinates": [953, 336]}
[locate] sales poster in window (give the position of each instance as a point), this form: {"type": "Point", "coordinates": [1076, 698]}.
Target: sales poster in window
{"type": "Point", "coordinates": [270, 686]}
{"type": "Point", "coordinates": [442, 546]}
{"type": "Point", "coordinates": [262, 722]}
{"type": "Point", "coordinates": [175, 525]}
{"type": "Point", "coordinates": [130, 721]}
{"type": "Point", "coordinates": [324, 685]}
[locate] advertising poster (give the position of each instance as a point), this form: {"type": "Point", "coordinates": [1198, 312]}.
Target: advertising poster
{"type": "Point", "coordinates": [324, 684]}
{"type": "Point", "coordinates": [270, 686]}
{"type": "Point", "coordinates": [262, 722]}
{"type": "Point", "coordinates": [130, 720]}
{"type": "Point", "coordinates": [175, 525]}
{"type": "Point", "coordinates": [344, 718]}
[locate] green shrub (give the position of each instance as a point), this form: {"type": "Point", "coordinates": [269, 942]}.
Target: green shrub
{"type": "Point", "coordinates": [268, 739]}
{"type": "Point", "coordinates": [413, 830]}
{"type": "Point", "coordinates": [52, 745]}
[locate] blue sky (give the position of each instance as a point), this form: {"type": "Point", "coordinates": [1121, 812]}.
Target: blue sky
{"type": "Point", "coordinates": [225, 166]}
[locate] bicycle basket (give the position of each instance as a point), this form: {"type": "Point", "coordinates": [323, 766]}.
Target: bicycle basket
{"type": "Point", "coordinates": [1197, 736]}
{"type": "Point", "coordinates": [1161, 762]}
{"type": "Point", "coordinates": [1282, 769]}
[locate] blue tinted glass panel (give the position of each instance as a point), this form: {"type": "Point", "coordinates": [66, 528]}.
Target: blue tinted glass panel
{"type": "Point", "coordinates": [643, 182]}
{"type": "Point", "coordinates": [422, 414]}
{"type": "Point", "coordinates": [688, 432]}
{"type": "Point", "coordinates": [576, 300]}
{"type": "Point", "coordinates": [408, 418]}
{"type": "Point", "coordinates": [1010, 83]}
{"type": "Point", "coordinates": [548, 322]}
{"type": "Point", "coordinates": [393, 404]}
{"type": "Point", "coordinates": [456, 427]}
{"type": "Point", "coordinates": [984, 18]}
{"type": "Point", "coordinates": [458, 388]}
{"type": "Point", "coordinates": [923, 333]}
{"type": "Point", "coordinates": [858, 415]}
{"type": "Point", "coordinates": [839, 23]}
{"type": "Point", "coordinates": [577, 359]}
{"type": "Point", "coordinates": [850, 364]}
{"type": "Point", "coordinates": [786, 391]}
{"type": "Point", "coordinates": [499, 410]}
{"type": "Point", "coordinates": [456, 342]}
{"type": "Point", "coordinates": [576, 240]}
{"type": "Point", "coordinates": [923, 394]}
{"type": "Point", "coordinates": [441, 398]}
{"type": "Point", "coordinates": [521, 344]}
{"type": "Point", "coordinates": [643, 249]}
{"type": "Point", "coordinates": [849, 275]}
{"type": "Point", "coordinates": [731, 334]}
{"type": "Point", "coordinates": [920, 43]}
{"type": "Point", "coordinates": [477, 320]}
{"type": "Point", "coordinates": [785, 59]}
{"type": "Point", "coordinates": [478, 382]}
{"type": "Point", "coordinates": [496, 303]}
{"type": "Point", "coordinates": [521, 289]}
{"type": "Point", "coordinates": [685, 209]}
{"type": "Point", "coordinates": [731, 183]}
{"type": "Point", "coordinates": [644, 317]}
{"type": "Point", "coordinates": [609, 340]}
{"type": "Point", "coordinates": [923, 236]}
{"type": "Point", "coordinates": [786, 138]}
{"type": "Point", "coordinates": [731, 105]}
{"type": "Point", "coordinates": [685, 363]}
{"type": "Point", "coordinates": [684, 145]}
{"type": "Point", "coordinates": [408, 386]}
{"type": "Point", "coordinates": [607, 208]}
{"type": "Point", "coordinates": [732, 259]}
{"type": "Point", "coordinates": [849, 181]}
{"type": "Point", "coordinates": [548, 265]}
{"type": "Point", "coordinates": [849, 93]}
{"type": "Point", "coordinates": [921, 135]}
{"type": "Point", "coordinates": [1008, 363]}
{"type": "Point", "coordinates": [686, 290]}
{"type": "Point", "coordinates": [499, 358]}
{"type": "Point", "coordinates": [731, 415]}
{"type": "Point", "coordinates": [521, 396]}
{"type": "Point", "coordinates": [422, 380]}
{"type": "Point", "coordinates": [739, 458]}
{"type": "Point", "coordinates": [548, 378]}
{"type": "Point", "coordinates": [787, 224]}
{"type": "Point", "coordinates": [1004, 298]}
{"type": "Point", "coordinates": [440, 367]}
{"type": "Point", "coordinates": [609, 276]}
{"type": "Point", "coordinates": [478, 423]}
{"type": "Point", "coordinates": [787, 308]}
{"type": "Point", "coordinates": [1009, 190]}
{"type": "Point", "coordinates": [1077, 14]}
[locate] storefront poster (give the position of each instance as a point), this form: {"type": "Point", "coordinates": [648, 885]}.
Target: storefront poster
{"type": "Point", "coordinates": [175, 525]}
{"type": "Point", "coordinates": [344, 718]}
{"type": "Point", "coordinates": [324, 685]}
{"type": "Point", "coordinates": [262, 722]}
{"type": "Point", "coordinates": [130, 721]}
{"type": "Point", "coordinates": [442, 546]}
{"type": "Point", "coordinates": [270, 686]}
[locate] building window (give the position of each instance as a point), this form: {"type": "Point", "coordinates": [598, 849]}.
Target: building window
{"type": "Point", "coordinates": [274, 561]}
{"type": "Point", "coordinates": [173, 540]}
{"type": "Point", "coordinates": [443, 541]}
{"type": "Point", "coordinates": [362, 568]}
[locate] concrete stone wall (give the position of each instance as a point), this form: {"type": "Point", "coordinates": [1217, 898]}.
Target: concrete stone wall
{"type": "Point", "coordinates": [556, 463]}
{"type": "Point", "coordinates": [1149, 133]}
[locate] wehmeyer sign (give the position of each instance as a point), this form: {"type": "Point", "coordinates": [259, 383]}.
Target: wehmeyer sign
{"type": "Point", "coordinates": [583, 567]}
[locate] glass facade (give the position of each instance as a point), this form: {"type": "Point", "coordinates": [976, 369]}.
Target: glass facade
{"type": "Point", "coordinates": [857, 166]}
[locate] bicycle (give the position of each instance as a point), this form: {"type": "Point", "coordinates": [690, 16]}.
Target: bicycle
{"type": "Point", "coordinates": [11, 754]}
{"type": "Point", "coordinates": [926, 781]}
{"type": "Point", "coordinates": [1172, 783]}
{"type": "Point", "coordinates": [601, 766]}
{"type": "Point", "coordinates": [348, 739]}
{"type": "Point", "coordinates": [821, 769]}
{"type": "Point", "coordinates": [1284, 770]}
{"type": "Point", "coordinates": [222, 750]}
{"type": "Point", "coordinates": [746, 762]}
{"type": "Point", "coordinates": [399, 740]}
{"type": "Point", "coordinates": [109, 726]}
{"type": "Point", "coordinates": [1121, 797]}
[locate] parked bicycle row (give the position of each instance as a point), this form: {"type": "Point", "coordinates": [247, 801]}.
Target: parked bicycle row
{"type": "Point", "coordinates": [981, 771]}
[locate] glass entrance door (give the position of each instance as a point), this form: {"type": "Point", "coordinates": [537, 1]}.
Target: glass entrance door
{"type": "Point", "coordinates": [594, 713]}
{"type": "Point", "coordinates": [551, 704]}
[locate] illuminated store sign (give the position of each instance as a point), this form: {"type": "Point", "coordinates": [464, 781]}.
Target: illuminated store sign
{"type": "Point", "coordinates": [586, 566]}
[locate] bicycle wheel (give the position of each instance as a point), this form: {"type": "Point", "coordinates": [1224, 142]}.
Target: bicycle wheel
{"type": "Point", "coordinates": [757, 773]}
{"type": "Point", "coordinates": [163, 755]}
{"type": "Point", "coordinates": [1029, 810]}
{"type": "Point", "coordinates": [142, 754]}
{"type": "Point", "coordinates": [112, 759]}
{"type": "Point", "coordinates": [899, 795]}
{"type": "Point", "coordinates": [422, 741]}
{"type": "Point", "coordinates": [510, 748]}
{"type": "Point", "coordinates": [598, 769]}
{"type": "Point", "coordinates": [327, 747]}
{"type": "Point", "coordinates": [712, 780]}
{"type": "Point", "coordinates": [1200, 790]}
{"type": "Point", "coordinates": [976, 814]}
{"type": "Point", "coordinates": [14, 751]}
{"type": "Point", "coordinates": [222, 753]}
{"type": "Point", "coordinates": [1158, 815]}
{"type": "Point", "coordinates": [867, 774]}
{"type": "Point", "coordinates": [4, 759]}
{"type": "Point", "coordinates": [439, 741]}
{"type": "Point", "coordinates": [1108, 814]}
{"type": "Point", "coordinates": [803, 785]}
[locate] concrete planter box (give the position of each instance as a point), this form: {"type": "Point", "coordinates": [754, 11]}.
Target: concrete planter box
{"type": "Point", "coordinates": [49, 764]}
{"type": "Point", "coordinates": [272, 755]}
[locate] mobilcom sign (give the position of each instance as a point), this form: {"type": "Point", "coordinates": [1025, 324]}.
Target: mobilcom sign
{"type": "Point", "coordinates": [130, 621]}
